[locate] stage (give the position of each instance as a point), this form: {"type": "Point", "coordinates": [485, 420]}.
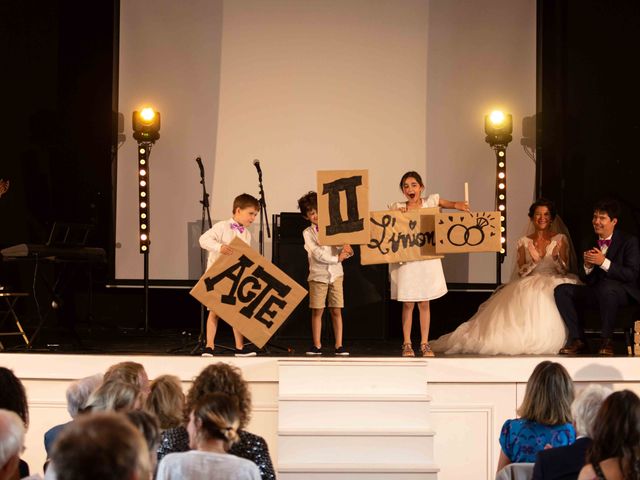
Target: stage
{"type": "Point", "coordinates": [331, 417]}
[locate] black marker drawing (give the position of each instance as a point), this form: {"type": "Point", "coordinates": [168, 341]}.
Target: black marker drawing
{"type": "Point", "coordinates": [398, 239]}
{"type": "Point", "coordinates": [459, 234]}
{"type": "Point", "coordinates": [336, 223]}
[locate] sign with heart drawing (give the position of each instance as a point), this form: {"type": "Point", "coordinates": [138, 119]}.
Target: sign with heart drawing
{"type": "Point", "coordinates": [396, 236]}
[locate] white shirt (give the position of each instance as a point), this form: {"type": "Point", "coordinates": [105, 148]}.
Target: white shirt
{"type": "Point", "coordinates": [324, 265]}
{"type": "Point", "coordinates": [197, 465]}
{"type": "Point", "coordinates": [221, 234]}
{"type": "Point", "coordinates": [607, 263]}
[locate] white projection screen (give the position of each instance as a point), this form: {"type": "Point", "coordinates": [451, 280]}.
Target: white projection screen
{"type": "Point", "coordinates": [307, 85]}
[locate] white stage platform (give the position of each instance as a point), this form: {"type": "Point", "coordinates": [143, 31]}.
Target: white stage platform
{"type": "Point", "coordinates": [399, 418]}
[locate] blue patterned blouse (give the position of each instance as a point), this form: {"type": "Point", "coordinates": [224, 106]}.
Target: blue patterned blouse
{"type": "Point", "coordinates": [521, 439]}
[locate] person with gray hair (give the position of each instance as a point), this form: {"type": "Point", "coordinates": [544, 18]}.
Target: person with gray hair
{"type": "Point", "coordinates": [77, 395]}
{"type": "Point", "coordinates": [11, 443]}
{"type": "Point", "coordinates": [564, 463]}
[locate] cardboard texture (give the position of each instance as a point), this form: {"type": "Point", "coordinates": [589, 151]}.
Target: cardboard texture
{"type": "Point", "coordinates": [343, 207]}
{"type": "Point", "coordinates": [249, 292]}
{"type": "Point", "coordinates": [464, 232]}
{"type": "Point", "coordinates": [397, 236]}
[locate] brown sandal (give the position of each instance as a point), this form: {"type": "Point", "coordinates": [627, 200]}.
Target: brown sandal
{"type": "Point", "coordinates": [425, 350]}
{"type": "Point", "coordinates": [407, 350]}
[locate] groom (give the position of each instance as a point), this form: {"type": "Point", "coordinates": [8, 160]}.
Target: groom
{"type": "Point", "coordinates": [610, 273]}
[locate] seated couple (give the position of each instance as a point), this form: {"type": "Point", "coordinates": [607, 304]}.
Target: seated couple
{"type": "Point", "coordinates": [539, 311]}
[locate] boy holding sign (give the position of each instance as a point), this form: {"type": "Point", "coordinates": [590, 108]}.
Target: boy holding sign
{"type": "Point", "coordinates": [325, 277]}
{"type": "Point", "coordinates": [216, 241]}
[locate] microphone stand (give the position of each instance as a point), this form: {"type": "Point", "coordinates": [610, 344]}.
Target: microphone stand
{"type": "Point", "coordinates": [203, 261]}
{"type": "Point", "coordinates": [264, 220]}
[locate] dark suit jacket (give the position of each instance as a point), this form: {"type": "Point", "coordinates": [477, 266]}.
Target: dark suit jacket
{"type": "Point", "coordinates": [561, 463]}
{"type": "Point", "coordinates": [624, 254]}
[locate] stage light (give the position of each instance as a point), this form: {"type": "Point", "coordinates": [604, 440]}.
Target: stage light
{"type": "Point", "coordinates": [146, 126]}
{"type": "Point", "coordinates": [498, 127]}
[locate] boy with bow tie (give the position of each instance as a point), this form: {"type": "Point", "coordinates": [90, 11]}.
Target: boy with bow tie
{"type": "Point", "coordinates": [216, 241]}
{"type": "Point", "coordinates": [610, 273]}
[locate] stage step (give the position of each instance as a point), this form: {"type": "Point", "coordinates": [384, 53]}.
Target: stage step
{"type": "Point", "coordinates": [353, 411]}
{"type": "Point", "coordinates": [337, 445]}
{"type": "Point", "coordinates": [354, 419]}
{"type": "Point", "coordinates": [355, 471]}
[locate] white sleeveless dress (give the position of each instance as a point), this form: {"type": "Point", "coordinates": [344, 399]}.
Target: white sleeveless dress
{"type": "Point", "coordinates": [420, 280]}
{"type": "Point", "coordinates": [521, 317]}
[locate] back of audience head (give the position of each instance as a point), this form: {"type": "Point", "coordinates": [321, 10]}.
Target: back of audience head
{"type": "Point", "coordinates": [549, 394]}
{"type": "Point", "coordinates": [12, 433]}
{"type": "Point", "coordinates": [129, 372]}
{"type": "Point", "coordinates": [585, 407]}
{"type": "Point", "coordinates": [114, 396]}
{"type": "Point", "coordinates": [148, 425]}
{"type": "Point", "coordinates": [222, 378]}
{"type": "Point", "coordinates": [79, 392]}
{"type": "Point", "coordinates": [616, 433]}
{"type": "Point", "coordinates": [166, 400]}
{"type": "Point", "coordinates": [13, 396]}
{"type": "Point", "coordinates": [101, 446]}
{"type": "Point", "coordinates": [214, 417]}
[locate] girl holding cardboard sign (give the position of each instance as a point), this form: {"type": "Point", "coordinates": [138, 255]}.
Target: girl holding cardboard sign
{"type": "Point", "coordinates": [422, 280]}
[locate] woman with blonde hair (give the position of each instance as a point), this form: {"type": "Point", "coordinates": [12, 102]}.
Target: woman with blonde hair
{"type": "Point", "coordinates": [114, 396]}
{"type": "Point", "coordinates": [213, 427]}
{"type": "Point", "coordinates": [544, 416]}
{"type": "Point", "coordinates": [166, 400]}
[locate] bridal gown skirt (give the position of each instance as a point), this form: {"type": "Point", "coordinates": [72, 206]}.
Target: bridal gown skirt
{"type": "Point", "coordinates": [519, 318]}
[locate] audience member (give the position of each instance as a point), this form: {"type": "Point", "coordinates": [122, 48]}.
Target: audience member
{"type": "Point", "coordinates": [129, 372]}
{"type": "Point", "coordinates": [14, 398]}
{"type": "Point", "coordinates": [147, 423]}
{"type": "Point", "coordinates": [545, 416]}
{"type": "Point", "coordinates": [114, 396]}
{"type": "Point", "coordinates": [11, 442]}
{"type": "Point", "coordinates": [224, 378]}
{"type": "Point", "coordinates": [213, 427]}
{"type": "Point", "coordinates": [77, 395]}
{"type": "Point", "coordinates": [100, 446]}
{"type": "Point", "coordinates": [615, 451]}
{"type": "Point", "coordinates": [564, 463]}
{"type": "Point", "coordinates": [166, 400]}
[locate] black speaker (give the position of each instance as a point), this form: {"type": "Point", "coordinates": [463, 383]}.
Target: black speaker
{"type": "Point", "coordinates": [366, 288]}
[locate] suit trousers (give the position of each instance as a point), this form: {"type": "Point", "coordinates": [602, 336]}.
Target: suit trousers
{"type": "Point", "coordinates": [606, 296]}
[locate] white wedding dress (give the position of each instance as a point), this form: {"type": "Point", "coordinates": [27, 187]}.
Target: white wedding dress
{"type": "Point", "coordinates": [521, 317]}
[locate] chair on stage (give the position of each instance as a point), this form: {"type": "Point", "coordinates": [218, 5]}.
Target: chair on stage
{"type": "Point", "coordinates": [8, 302]}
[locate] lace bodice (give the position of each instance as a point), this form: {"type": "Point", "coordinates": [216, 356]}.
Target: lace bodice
{"type": "Point", "coordinates": [545, 264]}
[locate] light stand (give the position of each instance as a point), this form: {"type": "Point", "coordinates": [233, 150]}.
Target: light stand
{"type": "Point", "coordinates": [146, 130]}
{"type": "Point", "coordinates": [498, 128]}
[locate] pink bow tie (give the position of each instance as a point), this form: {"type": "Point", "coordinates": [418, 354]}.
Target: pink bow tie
{"type": "Point", "coordinates": [604, 243]}
{"type": "Point", "coordinates": [238, 227]}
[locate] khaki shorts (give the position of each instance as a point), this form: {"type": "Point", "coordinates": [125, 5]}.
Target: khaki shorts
{"type": "Point", "coordinates": [318, 293]}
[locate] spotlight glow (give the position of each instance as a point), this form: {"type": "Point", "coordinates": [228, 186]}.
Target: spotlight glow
{"type": "Point", "coordinates": [501, 175]}
{"type": "Point", "coordinates": [143, 226]}
{"type": "Point", "coordinates": [497, 117]}
{"type": "Point", "coordinates": [501, 164]}
{"type": "Point", "coordinates": [501, 208]}
{"type": "Point", "coordinates": [143, 183]}
{"type": "Point", "coordinates": [147, 114]}
{"type": "Point", "coordinates": [143, 215]}
{"type": "Point", "coordinates": [143, 237]}
{"type": "Point", "coordinates": [143, 172]}
{"type": "Point", "coordinates": [143, 194]}
{"type": "Point", "coordinates": [143, 204]}
{"type": "Point", "coordinates": [501, 186]}
{"type": "Point", "coordinates": [501, 153]}
{"type": "Point", "coordinates": [142, 161]}
{"type": "Point", "coordinates": [501, 196]}
{"type": "Point", "coordinates": [502, 250]}
{"type": "Point", "coordinates": [502, 239]}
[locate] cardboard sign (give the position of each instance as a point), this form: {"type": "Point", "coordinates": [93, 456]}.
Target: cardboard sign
{"type": "Point", "coordinates": [343, 207]}
{"type": "Point", "coordinates": [463, 232]}
{"type": "Point", "coordinates": [249, 292]}
{"type": "Point", "coordinates": [397, 236]}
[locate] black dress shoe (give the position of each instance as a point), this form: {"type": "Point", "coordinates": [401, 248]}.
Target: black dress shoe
{"type": "Point", "coordinates": [574, 347]}
{"type": "Point", "coordinates": [606, 349]}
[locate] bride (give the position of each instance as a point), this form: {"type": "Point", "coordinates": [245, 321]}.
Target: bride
{"type": "Point", "coordinates": [521, 317]}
